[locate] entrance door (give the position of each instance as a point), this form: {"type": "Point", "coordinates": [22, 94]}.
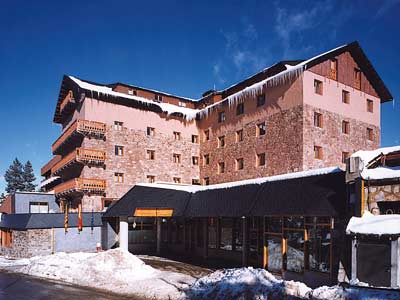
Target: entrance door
{"type": "Point", "coordinates": [373, 263]}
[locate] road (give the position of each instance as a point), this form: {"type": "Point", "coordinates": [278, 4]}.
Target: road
{"type": "Point", "coordinates": [21, 287]}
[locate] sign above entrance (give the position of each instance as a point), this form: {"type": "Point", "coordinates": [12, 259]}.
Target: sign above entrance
{"type": "Point", "coordinates": [153, 212]}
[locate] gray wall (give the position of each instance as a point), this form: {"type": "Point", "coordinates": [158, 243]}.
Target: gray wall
{"type": "Point", "coordinates": [22, 201]}
{"type": "Point", "coordinates": [73, 241]}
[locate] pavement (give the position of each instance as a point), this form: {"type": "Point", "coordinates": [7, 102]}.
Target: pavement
{"type": "Point", "coordinates": [15, 286]}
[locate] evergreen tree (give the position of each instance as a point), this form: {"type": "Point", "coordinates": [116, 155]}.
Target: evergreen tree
{"type": "Point", "coordinates": [14, 177]}
{"type": "Point", "coordinates": [2, 198]}
{"type": "Point", "coordinates": [28, 177]}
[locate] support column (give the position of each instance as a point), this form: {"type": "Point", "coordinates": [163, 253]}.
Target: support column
{"type": "Point", "coordinates": [245, 246]}
{"type": "Point", "coordinates": [354, 258]}
{"type": "Point", "coordinates": [123, 234]}
{"type": "Point", "coordinates": [158, 235]}
{"type": "Point", "coordinates": [394, 270]}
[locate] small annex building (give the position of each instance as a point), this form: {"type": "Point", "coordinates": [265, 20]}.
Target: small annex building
{"type": "Point", "coordinates": [292, 224]}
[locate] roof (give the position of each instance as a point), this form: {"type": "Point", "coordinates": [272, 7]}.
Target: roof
{"type": "Point", "coordinates": [272, 75]}
{"type": "Point", "coordinates": [370, 224]}
{"type": "Point", "coordinates": [43, 221]}
{"type": "Point", "coordinates": [382, 163]}
{"type": "Point", "coordinates": [317, 194]}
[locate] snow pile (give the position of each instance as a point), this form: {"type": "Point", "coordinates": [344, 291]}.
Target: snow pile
{"type": "Point", "coordinates": [245, 283]}
{"type": "Point", "coordinates": [190, 114]}
{"type": "Point", "coordinates": [113, 270]}
{"type": "Point", "coordinates": [261, 180]}
{"type": "Point", "coordinates": [367, 156]}
{"type": "Point", "coordinates": [371, 224]}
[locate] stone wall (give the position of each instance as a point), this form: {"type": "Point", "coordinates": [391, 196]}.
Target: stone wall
{"type": "Point", "coordinates": [375, 194]}
{"type": "Point", "coordinates": [28, 243]}
{"type": "Point", "coordinates": [332, 140]}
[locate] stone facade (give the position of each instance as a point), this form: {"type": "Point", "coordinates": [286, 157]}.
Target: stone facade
{"type": "Point", "coordinates": [376, 193]}
{"type": "Point", "coordinates": [29, 243]}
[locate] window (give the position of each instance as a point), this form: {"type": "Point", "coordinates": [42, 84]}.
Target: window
{"type": "Point", "coordinates": [206, 181]}
{"type": "Point", "coordinates": [195, 181]}
{"type": "Point", "coordinates": [195, 139]}
{"type": "Point", "coordinates": [176, 158]}
{"type": "Point", "coordinates": [357, 78]}
{"type": "Point", "coordinates": [177, 136]}
{"type": "Point", "coordinates": [118, 125]}
{"type": "Point", "coordinates": [261, 129]}
{"type": "Point", "coordinates": [206, 159]}
{"type": "Point", "coordinates": [333, 69]}
{"type": "Point", "coordinates": [346, 127]}
{"type": "Point", "coordinates": [118, 177]}
{"type": "Point", "coordinates": [345, 155]}
{"type": "Point", "coordinates": [318, 120]}
{"type": "Point", "coordinates": [151, 178]}
{"type": "Point", "coordinates": [260, 100]}
{"type": "Point", "coordinates": [370, 105]}
{"type": "Point", "coordinates": [221, 116]}
{"type": "Point", "coordinates": [38, 207]}
{"type": "Point", "coordinates": [183, 104]}
{"type": "Point", "coordinates": [318, 87]}
{"type": "Point", "coordinates": [239, 164]}
{"type": "Point", "coordinates": [212, 233]}
{"type": "Point", "coordinates": [151, 131]}
{"type": "Point", "coordinates": [132, 92]}
{"type": "Point", "coordinates": [158, 98]}
{"type": "Point", "coordinates": [240, 109]}
{"type": "Point", "coordinates": [119, 150]}
{"type": "Point", "coordinates": [177, 180]}
{"type": "Point", "coordinates": [317, 152]}
{"type": "Point", "coordinates": [207, 135]}
{"type": "Point", "coordinates": [239, 135]}
{"type": "Point", "coordinates": [370, 134]}
{"type": "Point", "coordinates": [151, 154]}
{"type": "Point", "coordinates": [221, 167]}
{"type": "Point", "coordinates": [345, 97]}
{"type": "Point", "coordinates": [6, 238]}
{"type": "Point", "coordinates": [261, 159]}
{"type": "Point", "coordinates": [221, 141]}
{"type": "Point", "coordinates": [106, 202]}
{"type": "Point", "coordinates": [195, 160]}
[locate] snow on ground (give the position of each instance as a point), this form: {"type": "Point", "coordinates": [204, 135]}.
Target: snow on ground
{"type": "Point", "coordinates": [121, 272]}
{"type": "Point", "coordinates": [113, 270]}
{"type": "Point", "coordinates": [371, 224]}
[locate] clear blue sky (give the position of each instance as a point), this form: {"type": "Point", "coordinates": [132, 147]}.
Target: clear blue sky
{"type": "Point", "coordinates": [181, 47]}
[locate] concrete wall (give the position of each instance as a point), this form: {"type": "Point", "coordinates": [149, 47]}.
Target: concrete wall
{"type": "Point", "coordinates": [22, 201]}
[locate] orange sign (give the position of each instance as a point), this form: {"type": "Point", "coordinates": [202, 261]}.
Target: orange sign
{"type": "Point", "coordinates": [153, 212]}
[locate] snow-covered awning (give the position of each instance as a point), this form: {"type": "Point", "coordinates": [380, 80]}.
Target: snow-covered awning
{"type": "Point", "coordinates": [48, 180]}
{"type": "Point", "coordinates": [374, 225]}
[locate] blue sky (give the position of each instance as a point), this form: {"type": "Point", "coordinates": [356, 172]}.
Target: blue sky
{"type": "Point", "coordinates": [182, 47]}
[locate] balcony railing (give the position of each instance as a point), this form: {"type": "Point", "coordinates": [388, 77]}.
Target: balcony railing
{"type": "Point", "coordinates": [68, 101]}
{"type": "Point", "coordinates": [85, 127]}
{"type": "Point", "coordinates": [82, 185]}
{"type": "Point", "coordinates": [81, 155]}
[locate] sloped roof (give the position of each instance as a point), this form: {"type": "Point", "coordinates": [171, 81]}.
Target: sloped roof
{"type": "Point", "coordinates": [316, 195]}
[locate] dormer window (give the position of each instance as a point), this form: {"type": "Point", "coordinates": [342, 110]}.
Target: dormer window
{"type": "Point", "coordinates": [132, 92]}
{"type": "Point", "coordinates": [357, 78]}
{"type": "Point", "coordinates": [221, 116]}
{"type": "Point", "coordinates": [240, 109]}
{"type": "Point", "coordinates": [157, 98]}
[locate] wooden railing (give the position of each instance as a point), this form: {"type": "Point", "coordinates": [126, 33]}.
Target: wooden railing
{"type": "Point", "coordinates": [69, 98]}
{"type": "Point", "coordinates": [85, 185]}
{"type": "Point", "coordinates": [81, 155]}
{"type": "Point", "coordinates": [80, 126]}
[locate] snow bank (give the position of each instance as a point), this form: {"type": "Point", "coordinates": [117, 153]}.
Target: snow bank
{"type": "Point", "coordinates": [113, 270]}
{"type": "Point", "coordinates": [198, 188]}
{"type": "Point", "coordinates": [371, 224]}
{"type": "Point", "coordinates": [245, 283]}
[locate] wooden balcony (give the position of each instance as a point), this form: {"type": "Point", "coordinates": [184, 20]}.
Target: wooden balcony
{"type": "Point", "coordinates": [68, 104]}
{"type": "Point", "coordinates": [81, 185]}
{"type": "Point", "coordinates": [80, 155]}
{"type": "Point", "coordinates": [79, 128]}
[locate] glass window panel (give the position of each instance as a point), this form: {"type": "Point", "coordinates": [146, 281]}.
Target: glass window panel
{"type": "Point", "coordinates": [319, 249]}
{"type": "Point", "coordinates": [212, 233]}
{"type": "Point", "coordinates": [295, 251]}
{"type": "Point", "coordinates": [273, 224]}
{"type": "Point", "coordinates": [226, 234]}
{"type": "Point", "coordinates": [294, 222]}
{"type": "Point", "coordinates": [274, 246]}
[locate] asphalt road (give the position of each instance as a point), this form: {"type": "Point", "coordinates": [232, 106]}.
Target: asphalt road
{"type": "Point", "coordinates": [21, 287]}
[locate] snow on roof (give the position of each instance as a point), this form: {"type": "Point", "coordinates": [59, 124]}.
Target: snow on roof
{"type": "Point", "coordinates": [371, 224]}
{"type": "Point", "coordinates": [48, 180]}
{"type": "Point", "coordinates": [367, 156]}
{"type": "Point", "coordinates": [287, 75]}
{"type": "Point", "coordinates": [381, 173]}
{"type": "Point", "coordinates": [199, 188]}
{"type": "Point", "coordinates": [190, 114]}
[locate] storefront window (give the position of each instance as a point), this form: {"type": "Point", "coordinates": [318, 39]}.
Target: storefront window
{"type": "Point", "coordinates": [226, 234]}
{"type": "Point", "coordinates": [142, 231]}
{"type": "Point", "coordinates": [179, 234]}
{"type": "Point", "coordinates": [212, 233]}
{"type": "Point", "coordinates": [274, 248]}
{"type": "Point", "coordinates": [295, 251]}
{"type": "Point", "coordinates": [255, 237]}
{"type": "Point", "coordinates": [200, 233]}
{"type": "Point", "coordinates": [319, 246]}
{"type": "Point", "coordinates": [273, 224]}
{"type": "Point", "coordinates": [238, 234]}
